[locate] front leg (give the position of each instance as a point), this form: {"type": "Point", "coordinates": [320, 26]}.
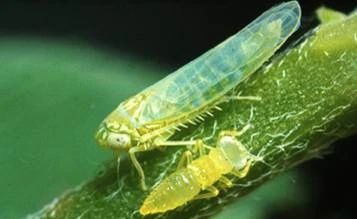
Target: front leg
{"type": "Point", "coordinates": [137, 165]}
{"type": "Point", "coordinates": [186, 158]}
{"type": "Point", "coordinates": [198, 147]}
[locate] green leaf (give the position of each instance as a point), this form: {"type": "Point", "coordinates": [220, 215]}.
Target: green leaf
{"type": "Point", "coordinates": [308, 102]}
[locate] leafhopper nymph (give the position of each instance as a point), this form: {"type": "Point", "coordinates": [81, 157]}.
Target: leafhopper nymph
{"type": "Point", "coordinates": [192, 177]}
{"type": "Point", "coordinates": [147, 120]}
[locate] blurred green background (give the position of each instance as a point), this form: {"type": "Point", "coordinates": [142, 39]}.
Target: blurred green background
{"type": "Point", "coordinates": [53, 95]}
{"type": "Point", "coordinates": [56, 86]}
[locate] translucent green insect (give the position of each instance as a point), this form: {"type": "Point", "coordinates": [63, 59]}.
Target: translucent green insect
{"type": "Point", "coordinates": [146, 121]}
{"type": "Point", "coordinates": [186, 183]}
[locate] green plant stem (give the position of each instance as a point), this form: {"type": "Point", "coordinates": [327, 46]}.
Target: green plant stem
{"type": "Point", "coordinates": [308, 102]}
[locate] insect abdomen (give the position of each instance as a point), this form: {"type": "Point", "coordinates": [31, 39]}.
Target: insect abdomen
{"type": "Point", "coordinates": [183, 185]}
{"type": "Point", "coordinates": [174, 191]}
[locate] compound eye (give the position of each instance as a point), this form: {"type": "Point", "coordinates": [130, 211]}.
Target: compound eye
{"type": "Point", "coordinates": [118, 140]}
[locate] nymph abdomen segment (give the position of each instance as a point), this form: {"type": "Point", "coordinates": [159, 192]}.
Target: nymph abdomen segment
{"type": "Point", "coordinates": [174, 191]}
{"type": "Point", "coordinates": [184, 184]}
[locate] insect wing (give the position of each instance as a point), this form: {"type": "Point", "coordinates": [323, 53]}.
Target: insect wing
{"type": "Point", "coordinates": [217, 71]}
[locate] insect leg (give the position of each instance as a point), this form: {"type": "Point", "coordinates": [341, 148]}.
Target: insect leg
{"type": "Point", "coordinates": [243, 172]}
{"type": "Point", "coordinates": [118, 168]}
{"type": "Point", "coordinates": [255, 98]}
{"type": "Point", "coordinates": [234, 133]}
{"type": "Point", "coordinates": [226, 99]}
{"type": "Point", "coordinates": [185, 160]}
{"type": "Point", "coordinates": [226, 183]}
{"type": "Point", "coordinates": [198, 145]}
{"type": "Point", "coordinates": [137, 165]}
{"type": "Point", "coordinates": [174, 143]}
{"type": "Point", "coordinates": [211, 192]}
{"type": "Point", "coordinates": [187, 155]}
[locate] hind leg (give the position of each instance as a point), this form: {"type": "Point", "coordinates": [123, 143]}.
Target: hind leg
{"type": "Point", "coordinates": [211, 192]}
{"type": "Point", "coordinates": [225, 183]}
{"type": "Point", "coordinates": [242, 172]}
{"type": "Point", "coordinates": [198, 146]}
{"type": "Point", "coordinates": [233, 133]}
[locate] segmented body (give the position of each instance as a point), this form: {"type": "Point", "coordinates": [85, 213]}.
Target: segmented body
{"type": "Point", "coordinates": [185, 184]}
{"type": "Point", "coordinates": [197, 86]}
